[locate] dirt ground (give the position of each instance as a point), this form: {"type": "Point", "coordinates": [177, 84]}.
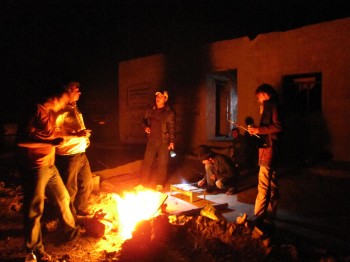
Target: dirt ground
{"type": "Point", "coordinates": [313, 225]}
{"type": "Point", "coordinates": [191, 238]}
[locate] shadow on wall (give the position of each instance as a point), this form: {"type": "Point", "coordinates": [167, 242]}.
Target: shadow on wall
{"type": "Point", "coordinates": [186, 70]}
{"type": "Point", "coordinates": [100, 112]}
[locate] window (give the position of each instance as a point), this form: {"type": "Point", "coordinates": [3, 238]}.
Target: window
{"type": "Point", "coordinates": [303, 93]}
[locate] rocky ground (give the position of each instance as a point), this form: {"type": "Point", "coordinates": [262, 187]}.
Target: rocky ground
{"type": "Point", "coordinates": [163, 238]}
{"type": "Point", "coordinates": [317, 194]}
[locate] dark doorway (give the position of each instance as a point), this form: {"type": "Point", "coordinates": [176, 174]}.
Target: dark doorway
{"type": "Point", "coordinates": [225, 85]}
{"type": "Point", "coordinates": [306, 137]}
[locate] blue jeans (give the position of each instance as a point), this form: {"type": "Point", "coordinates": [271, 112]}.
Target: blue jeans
{"type": "Point", "coordinates": [155, 149]}
{"type": "Point", "coordinates": [266, 200]}
{"type": "Point", "coordinates": [40, 179]}
{"type": "Point", "coordinates": [76, 174]}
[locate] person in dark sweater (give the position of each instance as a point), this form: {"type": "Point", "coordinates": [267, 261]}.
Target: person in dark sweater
{"type": "Point", "coordinates": [268, 129]}
{"type": "Point", "coordinates": [220, 171]}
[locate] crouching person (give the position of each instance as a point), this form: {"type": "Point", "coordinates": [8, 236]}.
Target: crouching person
{"type": "Point", "coordinates": [220, 171]}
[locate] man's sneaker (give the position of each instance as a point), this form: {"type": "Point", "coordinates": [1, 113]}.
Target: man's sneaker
{"type": "Point", "coordinates": [159, 188]}
{"type": "Point", "coordinates": [42, 256]}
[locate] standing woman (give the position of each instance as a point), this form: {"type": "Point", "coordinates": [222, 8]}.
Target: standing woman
{"type": "Point", "coordinates": [270, 125]}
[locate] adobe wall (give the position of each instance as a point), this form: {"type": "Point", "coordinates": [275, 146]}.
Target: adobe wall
{"type": "Point", "coordinates": [321, 48]}
{"type": "Point", "coordinates": [137, 80]}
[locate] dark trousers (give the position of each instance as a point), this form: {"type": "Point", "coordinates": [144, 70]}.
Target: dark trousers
{"type": "Point", "coordinates": [155, 150]}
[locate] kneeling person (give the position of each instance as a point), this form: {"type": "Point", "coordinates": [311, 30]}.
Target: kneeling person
{"type": "Point", "coordinates": [220, 171]}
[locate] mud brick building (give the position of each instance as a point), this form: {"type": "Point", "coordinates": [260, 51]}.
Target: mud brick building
{"type": "Point", "coordinates": [211, 84]}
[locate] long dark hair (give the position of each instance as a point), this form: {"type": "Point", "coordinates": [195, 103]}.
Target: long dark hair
{"type": "Point", "coordinates": [268, 89]}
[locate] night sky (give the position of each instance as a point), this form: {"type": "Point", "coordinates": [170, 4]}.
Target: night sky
{"type": "Point", "coordinates": [47, 43]}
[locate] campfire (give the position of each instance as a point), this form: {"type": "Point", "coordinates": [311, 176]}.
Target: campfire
{"type": "Point", "coordinates": [134, 207]}
{"type": "Point", "coordinates": [134, 225]}
{"type": "Point", "coordinates": [117, 215]}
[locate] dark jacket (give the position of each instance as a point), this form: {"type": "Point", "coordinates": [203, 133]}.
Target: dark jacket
{"type": "Point", "coordinates": [270, 124]}
{"type": "Point", "coordinates": [224, 167]}
{"type": "Point", "coordinates": [167, 122]}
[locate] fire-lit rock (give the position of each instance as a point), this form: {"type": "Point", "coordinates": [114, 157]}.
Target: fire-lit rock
{"type": "Point", "coordinates": [192, 239]}
{"type": "Point", "coordinates": [161, 228]}
{"type": "Point", "coordinates": [97, 227]}
{"type": "Point", "coordinates": [143, 232]}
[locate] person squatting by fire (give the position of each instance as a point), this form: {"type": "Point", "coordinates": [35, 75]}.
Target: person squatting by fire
{"type": "Point", "coordinates": [221, 172]}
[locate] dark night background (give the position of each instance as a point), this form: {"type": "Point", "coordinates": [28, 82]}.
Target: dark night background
{"type": "Point", "coordinates": [47, 43]}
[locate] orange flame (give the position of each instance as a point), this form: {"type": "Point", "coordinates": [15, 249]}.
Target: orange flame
{"type": "Point", "coordinates": [124, 212]}
{"type": "Point", "coordinates": [134, 207]}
